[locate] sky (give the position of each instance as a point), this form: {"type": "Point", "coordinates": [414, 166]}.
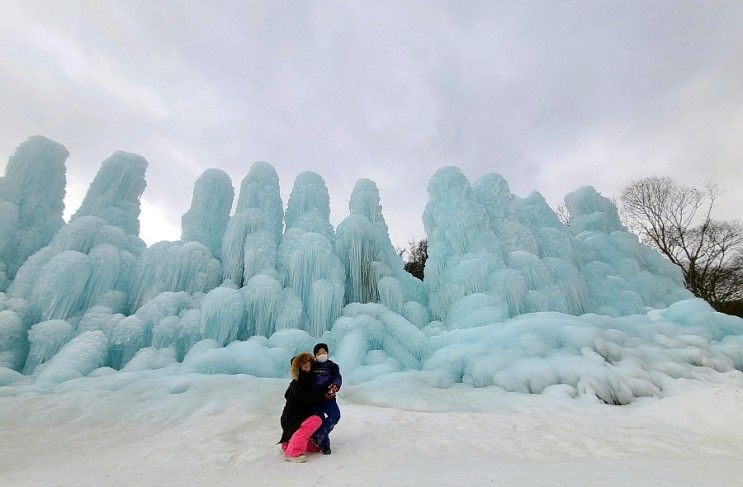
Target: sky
{"type": "Point", "coordinates": [551, 95]}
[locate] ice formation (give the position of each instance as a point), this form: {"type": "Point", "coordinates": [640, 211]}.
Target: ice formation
{"type": "Point", "coordinates": [250, 243]}
{"type": "Point", "coordinates": [207, 219]}
{"type": "Point", "coordinates": [374, 271]}
{"type": "Point", "coordinates": [31, 194]}
{"type": "Point", "coordinates": [310, 267]}
{"type": "Point", "coordinates": [512, 298]}
{"type": "Point", "coordinates": [115, 191]}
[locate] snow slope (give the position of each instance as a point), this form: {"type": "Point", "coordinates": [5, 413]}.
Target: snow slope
{"type": "Point", "coordinates": [125, 429]}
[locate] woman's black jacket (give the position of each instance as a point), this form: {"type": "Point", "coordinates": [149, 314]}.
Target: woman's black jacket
{"type": "Point", "coordinates": [300, 399]}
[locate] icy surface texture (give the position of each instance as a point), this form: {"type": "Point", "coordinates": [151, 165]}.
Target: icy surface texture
{"type": "Point", "coordinates": [154, 323]}
{"type": "Point", "coordinates": [13, 332]}
{"type": "Point", "coordinates": [591, 211]}
{"type": "Point", "coordinates": [84, 264]}
{"type": "Point", "coordinates": [374, 272]}
{"type": "Point", "coordinates": [91, 260]}
{"type": "Point", "coordinates": [485, 240]}
{"type": "Point", "coordinates": [513, 299]}
{"type": "Point", "coordinates": [114, 193]}
{"type": "Point", "coordinates": [78, 358]}
{"type": "Point", "coordinates": [308, 208]}
{"type": "Point", "coordinates": [617, 268]}
{"type": "Point", "coordinates": [612, 359]}
{"type": "Point", "coordinates": [250, 243]}
{"type": "Point", "coordinates": [307, 262]}
{"type": "Point", "coordinates": [46, 338]}
{"type": "Point", "coordinates": [171, 266]}
{"type": "Point", "coordinates": [31, 202]}
{"type": "Point", "coordinates": [463, 251]}
{"type": "Point", "coordinates": [207, 219]}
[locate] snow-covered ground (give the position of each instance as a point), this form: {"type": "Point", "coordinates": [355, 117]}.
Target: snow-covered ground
{"type": "Point", "coordinates": [221, 430]}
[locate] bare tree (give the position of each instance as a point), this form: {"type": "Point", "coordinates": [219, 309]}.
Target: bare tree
{"type": "Point", "coordinates": [677, 220]}
{"type": "Point", "coordinates": [563, 214]}
{"type": "Point", "coordinates": [415, 256]}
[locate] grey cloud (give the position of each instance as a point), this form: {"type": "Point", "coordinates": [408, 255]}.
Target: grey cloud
{"type": "Point", "coordinates": [551, 95]}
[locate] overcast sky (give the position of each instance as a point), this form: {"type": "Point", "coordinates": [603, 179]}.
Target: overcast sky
{"type": "Point", "coordinates": [552, 95]}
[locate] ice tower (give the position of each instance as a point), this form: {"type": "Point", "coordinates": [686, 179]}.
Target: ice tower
{"type": "Point", "coordinates": [114, 193]}
{"type": "Point", "coordinates": [253, 233]}
{"type": "Point", "coordinates": [374, 271]}
{"type": "Point", "coordinates": [190, 265]}
{"type": "Point", "coordinates": [31, 202]}
{"type": "Point", "coordinates": [90, 261]}
{"type": "Point", "coordinates": [463, 253]}
{"type": "Point", "coordinates": [207, 219]}
{"type": "Point", "coordinates": [309, 266]}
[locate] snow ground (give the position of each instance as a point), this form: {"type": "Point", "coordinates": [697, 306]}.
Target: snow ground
{"type": "Point", "coordinates": [222, 430]}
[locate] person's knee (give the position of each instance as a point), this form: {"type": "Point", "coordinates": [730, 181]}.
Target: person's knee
{"type": "Point", "coordinates": [314, 421]}
{"type": "Point", "coordinates": [335, 415]}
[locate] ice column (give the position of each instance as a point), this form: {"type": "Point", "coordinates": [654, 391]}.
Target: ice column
{"type": "Point", "coordinates": [31, 202]}
{"type": "Point", "coordinates": [253, 233]}
{"type": "Point", "coordinates": [463, 252]}
{"type": "Point", "coordinates": [207, 219]}
{"type": "Point", "coordinates": [307, 262]}
{"type": "Point", "coordinates": [366, 252]}
{"type": "Point", "coordinates": [115, 191]}
{"type": "Point", "coordinates": [90, 260]}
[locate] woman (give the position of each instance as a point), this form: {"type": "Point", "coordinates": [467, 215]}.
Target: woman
{"type": "Point", "coordinates": [297, 421]}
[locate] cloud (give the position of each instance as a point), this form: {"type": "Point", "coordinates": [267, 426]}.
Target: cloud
{"type": "Point", "coordinates": [552, 96]}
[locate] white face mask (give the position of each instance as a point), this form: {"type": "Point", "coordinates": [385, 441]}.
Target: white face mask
{"type": "Point", "coordinates": [321, 358]}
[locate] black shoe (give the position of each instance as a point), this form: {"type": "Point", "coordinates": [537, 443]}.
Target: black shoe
{"type": "Point", "coordinates": [314, 441]}
{"type": "Point", "coordinates": [326, 451]}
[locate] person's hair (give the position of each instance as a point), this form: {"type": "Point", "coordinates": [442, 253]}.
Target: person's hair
{"type": "Point", "coordinates": [299, 361]}
{"type": "Point", "coordinates": [319, 346]}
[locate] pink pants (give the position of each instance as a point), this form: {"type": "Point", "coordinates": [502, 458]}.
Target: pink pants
{"type": "Point", "coordinates": [300, 440]}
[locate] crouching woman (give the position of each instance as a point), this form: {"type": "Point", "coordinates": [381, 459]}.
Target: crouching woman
{"type": "Point", "coordinates": [297, 421]}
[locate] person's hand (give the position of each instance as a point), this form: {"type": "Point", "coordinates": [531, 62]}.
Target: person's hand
{"type": "Point", "coordinates": [329, 395]}
{"type": "Point", "coordinates": [333, 388]}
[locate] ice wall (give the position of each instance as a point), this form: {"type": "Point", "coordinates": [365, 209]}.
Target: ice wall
{"type": "Point", "coordinates": [512, 297]}
{"type": "Point", "coordinates": [31, 202]}
{"type": "Point", "coordinates": [493, 255]}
